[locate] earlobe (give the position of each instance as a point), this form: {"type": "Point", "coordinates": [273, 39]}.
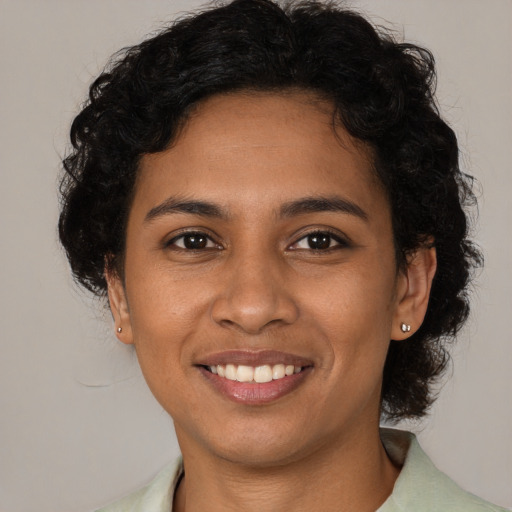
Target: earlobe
{"type": "Point", "coordinates": [119, 307]}
{"type": "Point", "coordinates": [414, 292]}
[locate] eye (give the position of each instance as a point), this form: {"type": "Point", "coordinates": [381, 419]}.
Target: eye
{"type": "Point", "coordinates": [319, 241]}
{"type": "Point", "coordinates": [192, 241]}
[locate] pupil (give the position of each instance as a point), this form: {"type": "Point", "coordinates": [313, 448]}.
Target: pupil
{"type": "Point", "coordinates": [195, 242]}
{"type": "Point", "coordinates": [319, 241]}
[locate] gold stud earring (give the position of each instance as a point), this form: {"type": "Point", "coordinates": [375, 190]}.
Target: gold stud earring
{"type": "Point", "coordinates": [405, 327]}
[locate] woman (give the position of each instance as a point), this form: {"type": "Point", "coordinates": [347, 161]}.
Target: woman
{"type": "Point", "coordinates": [275, 209]}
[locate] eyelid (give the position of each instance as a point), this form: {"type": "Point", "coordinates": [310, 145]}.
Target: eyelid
{"type": "Point", "coordinates": [176, 235]}
{"type": "Point", "coordinates": [341, 239]}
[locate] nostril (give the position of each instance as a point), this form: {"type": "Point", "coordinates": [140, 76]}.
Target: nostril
{"type": "Point", "coordinates": [252, 305]}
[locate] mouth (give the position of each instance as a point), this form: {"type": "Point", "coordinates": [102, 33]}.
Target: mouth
{"type": "Point", "coordinates": [256, 374]}
{"type": "Point", "coordinates": [255, 378]}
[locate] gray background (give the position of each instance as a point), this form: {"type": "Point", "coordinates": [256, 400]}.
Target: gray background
{"type": "Point", "coordinates": [78, 426]}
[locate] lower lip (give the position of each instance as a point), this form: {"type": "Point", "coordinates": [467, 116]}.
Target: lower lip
{"type": "Point", "coordinates": [253, 393]}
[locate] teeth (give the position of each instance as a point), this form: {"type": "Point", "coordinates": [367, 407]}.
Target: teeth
{"type": "Point", "coordinates": [259, 374]}
{"type": "Point", "coordinates": [231, 372]}
{"type": "Point", "coordinates": [244, 373]}
{"type": "Point", "coordinates": [278, 371]}
{"type": "Point", "coordinates": [263, 374]}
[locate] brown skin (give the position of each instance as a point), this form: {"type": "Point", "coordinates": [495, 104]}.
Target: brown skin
{"type": "Point", "coordinates": [257, 285]}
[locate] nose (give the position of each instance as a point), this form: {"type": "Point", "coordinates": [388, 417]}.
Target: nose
{"type": "Point", "coordinates": [254, 296]}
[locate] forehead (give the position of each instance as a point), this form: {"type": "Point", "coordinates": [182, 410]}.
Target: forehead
{"type": "Point", "coordinates": [257, 147]}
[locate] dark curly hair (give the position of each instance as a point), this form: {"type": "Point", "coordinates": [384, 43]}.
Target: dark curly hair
{"type": "Point", "coordinates": [383, 94]}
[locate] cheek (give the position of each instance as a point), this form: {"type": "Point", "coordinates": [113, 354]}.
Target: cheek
{"type": "Point", "coordinates": [359, 296]}
{"type": "Point", "coordinates": [160, 297]}
{"type": "Point", "coordinates": [161, 324]}
{"type": "Point", "coordinates": [168, 311]}
{"type": "Point", "coordinates": [354, 311]}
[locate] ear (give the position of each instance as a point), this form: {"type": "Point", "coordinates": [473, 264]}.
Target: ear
{"type": "Point", "coordinates": [413, 288]}
{"type": "Point", "coordinates": [119, 307]}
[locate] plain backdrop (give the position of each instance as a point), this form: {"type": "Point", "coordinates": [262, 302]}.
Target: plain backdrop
{"type": "Point", "coordinates": [78, 426]}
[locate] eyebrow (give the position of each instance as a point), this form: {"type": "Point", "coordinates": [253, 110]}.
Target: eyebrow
{"type": "Point", "coordinates": [174, 205]}
{"type": "Point", "coordinates": [316, 204]}
{"type": "Point", "coordinates": [302, 206]}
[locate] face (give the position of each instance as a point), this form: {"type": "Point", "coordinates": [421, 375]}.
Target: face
{"type": "Point", "coordinates": [260, 287]}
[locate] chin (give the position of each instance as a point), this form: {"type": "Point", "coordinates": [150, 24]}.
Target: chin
{"type": "Point", "coordinates": [259, 446]}
{"type": "Point", "coordinates": [257, 455]}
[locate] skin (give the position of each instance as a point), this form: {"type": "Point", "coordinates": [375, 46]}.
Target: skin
{"type": "Point", "coordinates": [257, 285]}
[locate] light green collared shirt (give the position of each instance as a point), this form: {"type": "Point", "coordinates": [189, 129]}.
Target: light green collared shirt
{"type": "Point", "coordinates": [420, 487]}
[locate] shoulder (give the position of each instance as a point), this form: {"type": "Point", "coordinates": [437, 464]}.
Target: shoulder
{"type": "Point", "coordinates": [421, 487]}
{"type": "Point", "coordinates": [155, 496]}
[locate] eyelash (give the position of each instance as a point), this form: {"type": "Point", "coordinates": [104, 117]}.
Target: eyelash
{"type": "Point", "coordinates": [200, 234]}
{"type": "Point", "coordinates": [340, 241]}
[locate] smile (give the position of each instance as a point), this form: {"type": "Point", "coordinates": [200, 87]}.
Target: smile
{"type": "Point", "coordinates": [256, 374]}
{"type": "Point", "coordinates": [255, 377]}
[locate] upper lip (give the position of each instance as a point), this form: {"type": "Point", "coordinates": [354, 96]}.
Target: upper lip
{"type": "Point", "coordinates": [254, 358]}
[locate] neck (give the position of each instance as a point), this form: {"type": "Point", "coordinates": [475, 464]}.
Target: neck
{"type": "Point", "coordinates": [346, 475]}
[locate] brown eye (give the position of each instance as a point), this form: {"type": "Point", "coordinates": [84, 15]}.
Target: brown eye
{"type": "Point", "coordinates": [195, 241]}
{"type": "Point", "coordinates": [319, 241]}
{"type": "Point", "coordinates": [192, 241]}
